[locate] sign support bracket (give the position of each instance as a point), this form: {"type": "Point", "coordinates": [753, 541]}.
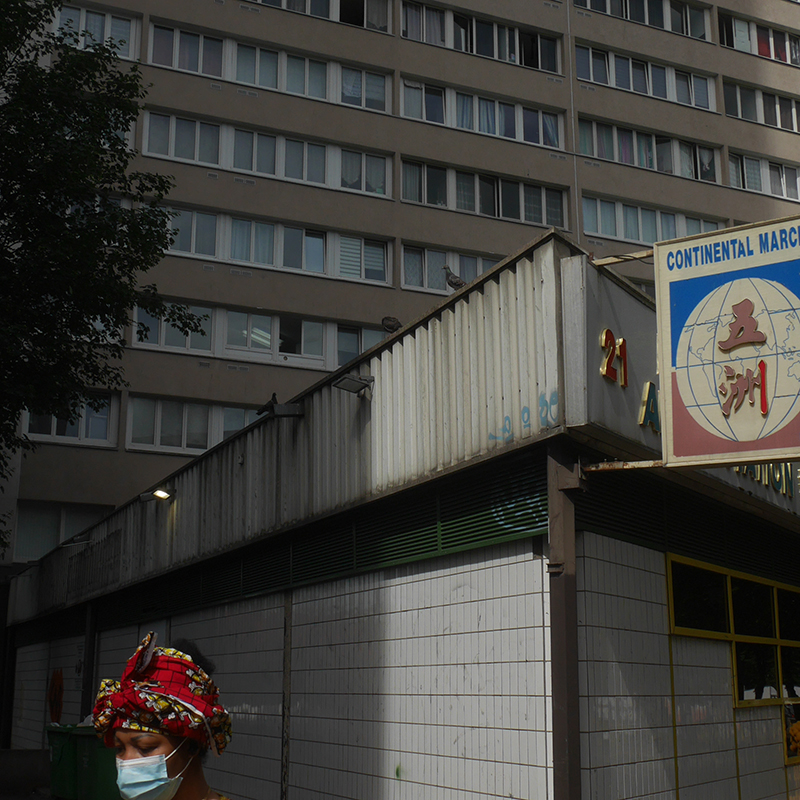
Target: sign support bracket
{"type": "Point", "coordinates": [615, 466]}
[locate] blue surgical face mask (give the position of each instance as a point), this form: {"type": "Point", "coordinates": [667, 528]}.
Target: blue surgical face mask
{"type": "Point", "coordinates": [146, 778]}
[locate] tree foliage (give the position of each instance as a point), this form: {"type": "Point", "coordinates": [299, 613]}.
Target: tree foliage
{"type": "Point", "coordinates": [78, 227]}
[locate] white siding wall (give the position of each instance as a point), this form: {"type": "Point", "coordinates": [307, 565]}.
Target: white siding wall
{"type": "Point", "coordinates": [425, 681]}
{"type": "Point", "coordinates": [114, 648]}
{"type": "Point", "coordinates": [30, 697]}
{"type": "Point", "coordinates": [404, 681]}
{"type": "Point", "coordinates": [793, 774]}
{"type": "Point", "coordinates": [759, 733]}
{"type": "Point", "coordinates": [245, 642]}
{"type": "Point", "coordinates": [626, 711]}
{"type": "Point", "coordinates": [704, 719]}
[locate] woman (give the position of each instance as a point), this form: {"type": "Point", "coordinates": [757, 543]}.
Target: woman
{"type": "Point", "coordinates": [162, 718]}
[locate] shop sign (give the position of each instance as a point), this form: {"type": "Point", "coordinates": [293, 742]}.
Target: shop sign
{"type": "Point", "coordinates": [728, 318]}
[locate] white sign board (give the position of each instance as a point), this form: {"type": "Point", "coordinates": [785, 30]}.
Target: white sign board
{"type": "Point", "coordinates": [729, 345]}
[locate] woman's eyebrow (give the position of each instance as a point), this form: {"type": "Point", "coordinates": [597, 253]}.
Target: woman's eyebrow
{"type": "Point", "coordinates": [134, 738]}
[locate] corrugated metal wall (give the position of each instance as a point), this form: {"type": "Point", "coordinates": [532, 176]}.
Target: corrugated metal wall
{"type": "Point", "coordinates": [478, 376]}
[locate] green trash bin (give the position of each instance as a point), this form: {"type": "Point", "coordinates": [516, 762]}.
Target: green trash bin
{"type": "Point", "coordinates": [96, 768]}
{"type": "Point", "coordinates": [63, 762]}
{"type": "Point", "coordinates": [82, 767]}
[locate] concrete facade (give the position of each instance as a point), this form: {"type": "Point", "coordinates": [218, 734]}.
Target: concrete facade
{"type": "Point", "coordinates": [518, 147]}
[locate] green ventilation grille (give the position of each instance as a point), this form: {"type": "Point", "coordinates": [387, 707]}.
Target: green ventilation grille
{"type": "Point", "coordinates": [627, 506]}
{"type": "Point", "coordinates": [404, 529]}
{"type": "Point", "coordinates": [490, 508]}
{"type": "Point", "coordinates": [648, 511]}
{"type": "Point", "coordinates": [323, 552]}
{"type": "Point", "coordinates": [267, 570]}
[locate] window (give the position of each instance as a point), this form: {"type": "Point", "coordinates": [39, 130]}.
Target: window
{"type": "Point", "coordinates": [484, 38]}
{"type": "Point", "coordinates": [361, 258]}
{"type": "Point", "coordinates": [423, 24]}
{"type": "Point", "coordinates": [267, 154]}
{"type": "Point", "coordinates": [711, 602]}
{"type": "Point", "coordinates": [254, 152]}
{"type": "Point", "coordinates": [626, 146]}
{"type": "Point", "coordinates": [248, 331]}
{"type": "Point", "coordinates": [260, 243]}
{"type": "Point", "coordinates": [194, 232]}
{"type": "Point", "coordinates": [480, 36]}
{"type": "Point", "coordinates": [372, 14]}
{"type": "Point", "coordinates": [756, 105]}
{"type": "Point", "coordinates": [643, 77]}
{"type": "Point", "coordinates": [257, 66]}
{"type": "Point", "coordinates": [351, 342]}
{"type": "Point", "coordinates": [186, 139]}
{"type": "Point", "coordinates": [363, 89]}
{"type": "Point", "coordinates": [276, 155]}
{"type": "Point", "coordinates": [169, 424]}
{"type": "Point", "coordinates": [761, 40]}
{"type": "Point", "coordinates": [235, 419]}
{"type": "Point", "coordinates": [91, 426]}
{"type": "Point", "coordinates": [670, 15]}
{"type": "Point", "coordinates": [783, 180]}
{"type": "Point", "coordinates": [306, 77]}
{"type": "Point", "coordinates": [252, 241]}
{"type": "Point", "coordinates": [179, 426]}
{"type": "Point", "coordinates": [316, 8]}
{"type": "Point", "coordinates": [363, 172]}
{"type": "Point", "coordinates": [423, 267]}
{"type": "Point", "coordinates": [762, 175]}
{"type": "Point", "coordinates": [252, 336]}
{"type": "Point", "coordinates": [187, 51]}
{"type": "Point", "coordinates": [697, 162]}
{"type": "Point", "coordinates": [42, 526]}
{"type": "Point", "coordinates": [492, 116]}
{"type": "Point", "coordinates": [269, 69]}
{"type": "Point", "coordinates": [482, 194]}
{"type": "Point", "coordinates": [424, 184]}
{"type": "Point", "coordinates": [159, 333]}
{"type": "Point", "coordinates": [734, 32]}
{"type": "Point", "coordinates": [301, 337]}
{"type": "Point", "coordinates": [304, 161]}
{"type": "Point", "coordinates": [686, 19]}
{"type": "Point", "coordinates": [96, 27]}
{"type": "Point", "coordinates": [540, 127]}
{"type": "Point", "coordinates": [424, 102]}
{"type": "Point", "coordinates": [617, 219]}
{"type": "Point", "coordinates": [303, 249]}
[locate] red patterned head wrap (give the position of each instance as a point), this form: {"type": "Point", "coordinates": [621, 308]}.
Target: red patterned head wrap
{"type": "Point", "coordinates": [163, 691]}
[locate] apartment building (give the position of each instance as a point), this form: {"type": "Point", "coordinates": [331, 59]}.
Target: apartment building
{"type": "Point", "coordinates": [331, 156]}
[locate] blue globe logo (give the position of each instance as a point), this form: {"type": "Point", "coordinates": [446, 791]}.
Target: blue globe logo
{"type": "Point", "coordinates": [726, 391]}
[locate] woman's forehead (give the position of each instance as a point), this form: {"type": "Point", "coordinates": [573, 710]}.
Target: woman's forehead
{"type": "Point", "coordinates": [125, 735]}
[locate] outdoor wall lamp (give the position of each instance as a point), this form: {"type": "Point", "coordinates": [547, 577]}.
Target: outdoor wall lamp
{"type": "Point", "coordinates": [162, 493]}
{"type": "Point", "coordinates": [356, 384]}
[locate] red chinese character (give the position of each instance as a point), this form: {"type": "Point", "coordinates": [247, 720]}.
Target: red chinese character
{"type": "Point", "coordinates": [744, 328]}
{"type": "Point", "coordinates": [744, 385]}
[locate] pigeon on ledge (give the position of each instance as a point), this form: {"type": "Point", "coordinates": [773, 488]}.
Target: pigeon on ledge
{"type": "Point", "coordinates": [453, 279]}
{"type": "Point", "coordinates": [268, 406]}
{"type": "Point", "coordinates": [391, 324]}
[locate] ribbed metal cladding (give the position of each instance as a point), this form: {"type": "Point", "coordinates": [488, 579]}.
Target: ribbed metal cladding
{"type": "Point", "coordinates": [466, 383]}
{"type": "Point", "coordinates": [463, 382]}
